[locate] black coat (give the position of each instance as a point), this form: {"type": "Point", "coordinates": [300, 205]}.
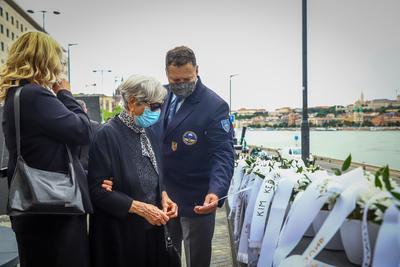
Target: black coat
{"type": "Point", "coordinates": [84, 150]}
{"type": "Point", "coordinates": [118, 238]}
{"type": "Point", "coordinates": [48, 122]}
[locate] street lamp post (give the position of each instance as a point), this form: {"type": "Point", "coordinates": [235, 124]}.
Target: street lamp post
{"type": "Point", "coordinates": [43, 15]}
{"type": "Point", "coordinates": [102, 77]}
{"type": "Point", "coordinates": [69, 62]}
{"type": "Point", "coordinates": [305, 128]}
{"type": "Point", "coordinates": [230, 92]}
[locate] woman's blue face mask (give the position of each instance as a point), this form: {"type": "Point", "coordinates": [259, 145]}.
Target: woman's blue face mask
{"type": "Point", "coordinates": [148, 118]}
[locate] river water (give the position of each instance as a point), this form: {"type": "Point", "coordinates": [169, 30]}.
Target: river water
{"type": "Point", "coordinates": [371, 147]}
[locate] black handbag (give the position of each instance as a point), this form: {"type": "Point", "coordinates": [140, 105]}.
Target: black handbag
{"type": "Point", "coordinates": [34, 191]}
{"type": "Point", "coordinates": [174, 259]}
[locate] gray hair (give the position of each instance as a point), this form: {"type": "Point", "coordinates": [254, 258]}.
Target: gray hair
{"type": "Point", "coordinates": [143, 89]}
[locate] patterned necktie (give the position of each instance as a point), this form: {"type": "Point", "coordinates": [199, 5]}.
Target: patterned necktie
{"type": "Point", "coordinates": [172, 108]}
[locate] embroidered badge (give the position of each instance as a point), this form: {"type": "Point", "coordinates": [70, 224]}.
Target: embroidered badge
{"type": "Point", "coordinates": [226, 125]}
{"type": "Point", "coordinates": [174, 146]}
{"type": "Point", "coordinates": [189, 138]}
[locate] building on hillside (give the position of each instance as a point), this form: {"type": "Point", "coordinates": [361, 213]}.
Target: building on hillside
{"type": "Point", "coordinates": [294, 119]}
{"type": "Point", "coordinates": [284, 110]}
{"type": "Point", "coordinates": [382, 103]}
{"type": "Point", "coordinates": [320, 122]}
{"type": "Point", "coordinates": [246, 111]}
{"type": "Point", "coordinates": [388, 119]}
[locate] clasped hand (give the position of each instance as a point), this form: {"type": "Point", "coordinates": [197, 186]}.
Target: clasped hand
{"type": "Point", "coordinates": [151, 213]}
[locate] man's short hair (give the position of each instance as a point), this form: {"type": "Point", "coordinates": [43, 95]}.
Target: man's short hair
{"type": "Point", "coordinates": [180, 56]}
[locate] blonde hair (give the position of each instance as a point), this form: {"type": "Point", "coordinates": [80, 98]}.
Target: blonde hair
{"type": "Point", "coordinates": [35, 57]}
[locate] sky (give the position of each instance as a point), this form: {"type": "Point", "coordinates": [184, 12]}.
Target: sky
{"type": "Point", "coordinates": [353, 46]}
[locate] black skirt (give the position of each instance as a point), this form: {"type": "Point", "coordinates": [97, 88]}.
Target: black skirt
{"type": "Point", "coordinates": [126, 243]}
{"type": "Point", "coordinates": [52, 240]}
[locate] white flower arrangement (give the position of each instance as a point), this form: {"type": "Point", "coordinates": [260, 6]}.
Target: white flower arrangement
{"type": "Point", "coordinates": [382, 191]}
{"type": "Point", "coordinates": [378, 195]}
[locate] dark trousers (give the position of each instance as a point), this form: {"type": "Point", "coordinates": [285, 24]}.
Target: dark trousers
{"type": "Point", "coordinates": [196, 233]}
{"type": "Point", "coordinates": [52, 240]}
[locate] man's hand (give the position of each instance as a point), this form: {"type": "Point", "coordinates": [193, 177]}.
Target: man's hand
{"type": "Point", "coordinates": [151, 213]}
{"type": "Point", "coordinates": [61, 85]}
{"type": "Point", "coordinates": [169, 207]}
{"type": "Point", "coordinates": [209, 206]}
{"type": "Point", "coordinates": [107, 185]}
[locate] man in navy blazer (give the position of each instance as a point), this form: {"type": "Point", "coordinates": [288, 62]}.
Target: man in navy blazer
{"type": "Point", "coordinates": [197, 143]}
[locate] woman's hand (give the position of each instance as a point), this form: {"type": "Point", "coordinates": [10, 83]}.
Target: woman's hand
{"type": "Point", "coordinates": [107, 184]}
{"type": "Point", "coordinates": [61, 85]}
{"type": "Point", "coordinates": [151, 213]}
{"type": "Point", "coordinates": [169, 207]}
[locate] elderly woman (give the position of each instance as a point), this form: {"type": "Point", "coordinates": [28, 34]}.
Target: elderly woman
{"type": "Point", "coordinates": [50, 119]}
{"type": "Point", "coordinates": [125, 227]}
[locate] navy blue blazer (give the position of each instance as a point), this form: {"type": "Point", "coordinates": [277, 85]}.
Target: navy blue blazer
{"type": "Point", "coordinates": [197, 147]}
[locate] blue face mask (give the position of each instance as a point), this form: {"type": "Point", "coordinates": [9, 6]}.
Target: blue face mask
{"type": "Point", "coordinates": [148, 118]}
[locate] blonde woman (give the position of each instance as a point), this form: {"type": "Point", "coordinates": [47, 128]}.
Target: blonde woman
{"type": "Point", "coordinates": [50, 118]}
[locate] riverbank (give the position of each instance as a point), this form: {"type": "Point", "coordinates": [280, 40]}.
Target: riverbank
{"type": "Point", "coordinates": [330, 163]}
{"type": "Point", "coordinates": [373, 129]}
{"type": "Point", "coordinates": [377, 148]}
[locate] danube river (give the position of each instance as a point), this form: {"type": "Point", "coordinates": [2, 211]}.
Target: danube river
{"type": "Point", "coordinates": [372, 147]}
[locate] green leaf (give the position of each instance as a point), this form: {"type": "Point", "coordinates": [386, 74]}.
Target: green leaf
{"type": "Point", "coordinates": [378, 182]}
{"type": "Point", "coordinates": [259, 175]}
{"type": "Point", "coordinates": [299, 170]}
{"type": "Point", "coordinates": [385, 178]}
{"type": "Point", "coordinates": [336, 171]}
{"type": "Point", "coordinates": [381, 207]}
{"type": "Point", "coordinates": [346, 164]}
{"type": "Point", "coordinates": [248, 162]}
{"type": "Point", "coordinates": [396, 195]}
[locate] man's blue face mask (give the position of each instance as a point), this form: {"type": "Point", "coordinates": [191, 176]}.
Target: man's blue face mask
{"type": "Point", "coordinates": [148, 118]}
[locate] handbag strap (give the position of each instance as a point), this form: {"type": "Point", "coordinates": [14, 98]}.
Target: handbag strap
{"type": "Point", "coordinates": [17, 118]}
{"type": "Point", "coordinates": [168, 239]}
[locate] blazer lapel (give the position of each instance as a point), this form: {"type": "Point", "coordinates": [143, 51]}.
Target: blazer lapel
{"type": "Point", "coordinates": [164, 112]}
{"type": "Point", "coordinates": [185, 110]}
{"type": "Point", "coordinates": [179, 117]}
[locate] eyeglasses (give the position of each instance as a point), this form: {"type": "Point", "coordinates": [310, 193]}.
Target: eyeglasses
{"type": "Point", "coordinates": [154, 106]}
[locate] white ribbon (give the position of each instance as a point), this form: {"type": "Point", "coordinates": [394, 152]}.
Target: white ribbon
{"type": "Point", "coordinates": [244, 237]}
{"type": "Point", "coordinates": [387, 248]}
{"type": "Point", "coordinates": [276, 217]}
{"type": "Point", "coordinates": [299, 219]}
{"type": "Point", "coordinates": [364, 230]}
{"type": "Point", "coordinates": [239, 209]}
{"type": "Point", "coordinates": [344, 205]}
{"type": "Point", "coordinates": [260, 212]}
{"type": "Point", "coordinates": [298, 260]}
{"type": "Point", "coordinates": [235, 182]}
